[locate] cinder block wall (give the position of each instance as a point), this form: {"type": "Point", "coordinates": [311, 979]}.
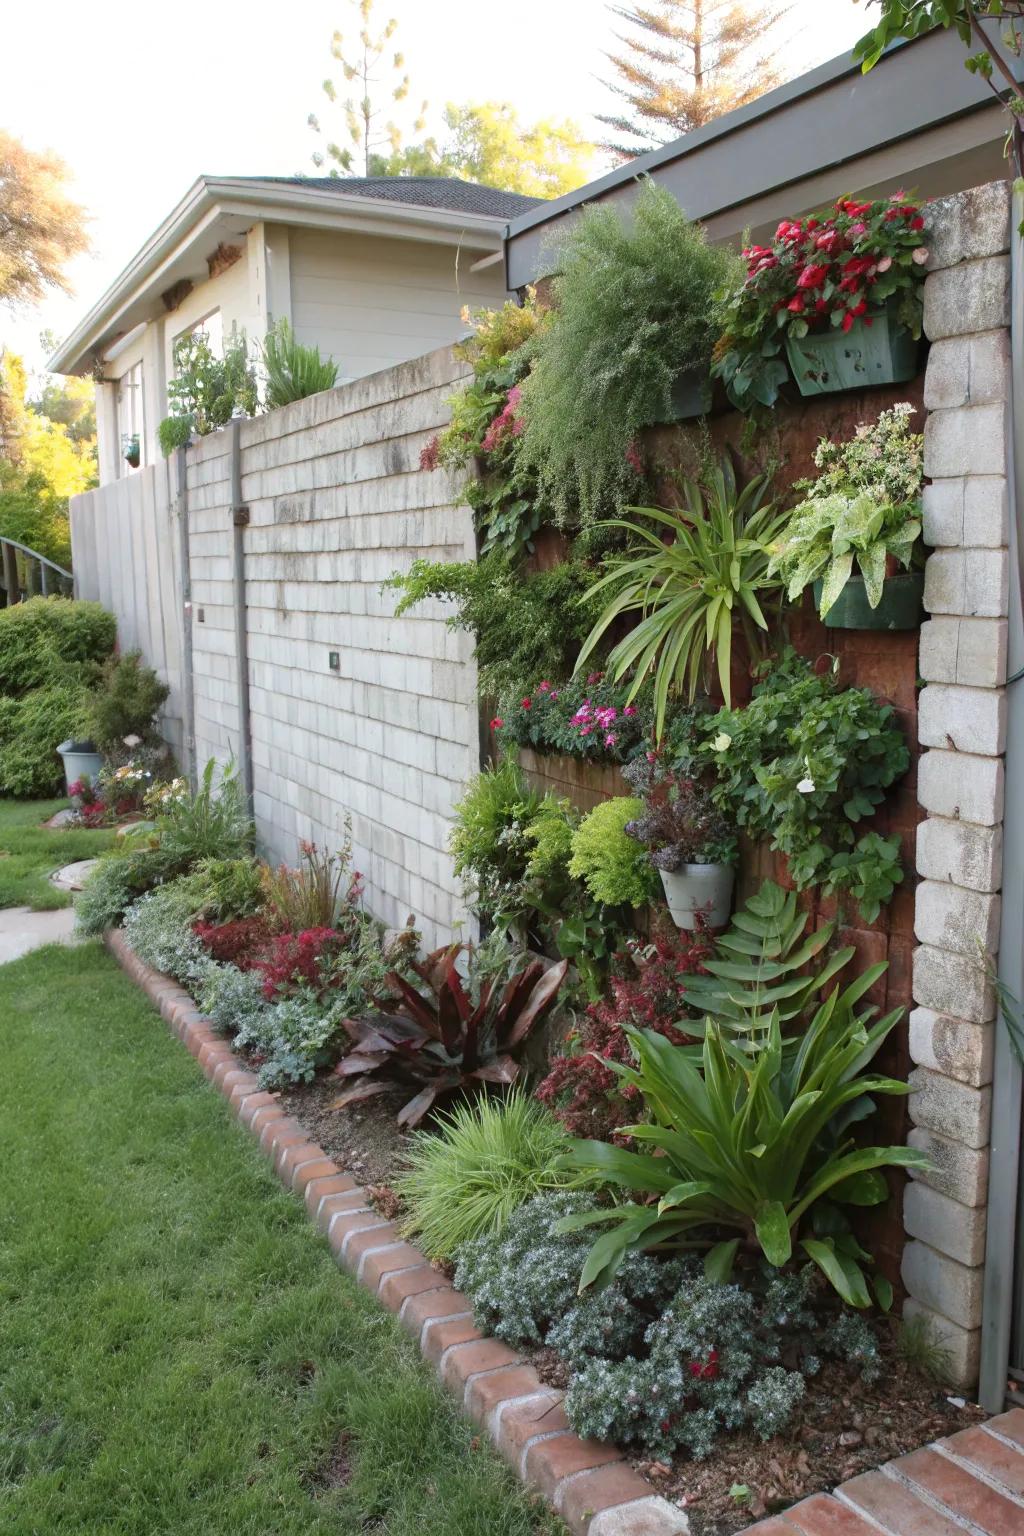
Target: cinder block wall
{"type": "Point", "coordinates": [961, 727]}
{"type": "Point", "coordinates": [337, 502]}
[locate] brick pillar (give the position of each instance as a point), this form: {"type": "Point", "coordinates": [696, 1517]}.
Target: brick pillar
{"type": "Point", "coordinates": [962, 712]}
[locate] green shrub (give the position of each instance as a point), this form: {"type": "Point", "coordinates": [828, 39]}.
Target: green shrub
{"type": "Point", "coordinates": [31, 728]}
{"type": "Point", "coordinates": [107, 894]}
{"type": "Point", "coordinates": [615, 869]}
{"type": "Point", "coordinates": [158, 926]}
{"type": "Point", "coordinates": [205, 390]}
{"type": "Point", "coordinates": [489, 839]}
{"type": "Point", "coordinates": [293, 371]}
{"type": "Point", "coordinates": [633, 309]}
{"type": "Point", "coordinates": [126, 699]}
{"type": "Point", "coordinates": [485, 1161]}
{"type": "Point", "coordinates": [211, 824]}
{"type": "Point", "coordinates": [43, 637]}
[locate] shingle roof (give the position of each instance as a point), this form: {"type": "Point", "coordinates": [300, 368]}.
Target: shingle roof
{"type": "Point", "coordinates": [420, 191]}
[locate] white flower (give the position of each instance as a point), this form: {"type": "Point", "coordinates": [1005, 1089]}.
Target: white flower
{"type": "Point", "coordinates": [721, 742]}
{"type": "Point", "coordinates": [806, 787]}
{"type": "Point", "coordinates": [133, 741]}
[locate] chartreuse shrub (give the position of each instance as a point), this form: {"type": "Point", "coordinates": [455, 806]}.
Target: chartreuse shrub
{"type": "Point", "coordinates": [490, 840]}
{"type": "Point", "coordinates": [614, 868]}
{"type": "Point", "coordinates": [800, 766]}
{"type": "Point", "coordinates": [661, 1357]}
{"type": "Point", "coordinates": [753, 1147]}
{"type": "Point", "coordinates": [633, 309]}
{"type": "Point", "coordinates": [42, 638]}
{"type": "Point", "coordinates": [482, 1163]}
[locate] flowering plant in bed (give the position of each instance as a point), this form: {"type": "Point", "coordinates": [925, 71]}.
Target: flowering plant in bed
{"type": "Point", "coordinates": [591, 718]}
{"type": "Point", "coordinates": [835, 271]}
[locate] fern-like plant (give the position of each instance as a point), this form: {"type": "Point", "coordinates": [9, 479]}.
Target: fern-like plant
{"type": "Point", "coordinates": [485, 1161]}
{"type": "Point", "coordinates": [689, 593]}
{"type": "Point", "coordinates": [293, 370]}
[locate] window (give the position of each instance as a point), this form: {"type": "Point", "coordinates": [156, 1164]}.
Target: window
{"type": "Point", "coordinates": [130, 425]}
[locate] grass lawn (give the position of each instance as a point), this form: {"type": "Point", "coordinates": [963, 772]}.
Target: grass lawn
{"type": "Point", "coordinates": [179, 1353]}
{"type": "Point", "coordinates": [29, 852]}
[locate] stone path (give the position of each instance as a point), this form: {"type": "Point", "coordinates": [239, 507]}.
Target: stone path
{"type": "Point", "coordinates": [22, 930]}
{"type": "Point", "coordinates": [972, 1482]}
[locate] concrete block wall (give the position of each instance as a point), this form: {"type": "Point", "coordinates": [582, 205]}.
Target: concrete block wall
{"type": "Point", "coordinates": [961, 728]}
{"type": "Point", "coordinates": [337, 502]}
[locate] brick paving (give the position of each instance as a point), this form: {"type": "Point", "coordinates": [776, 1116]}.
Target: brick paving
{"type": "Point", "coordinates": [972, 1482]}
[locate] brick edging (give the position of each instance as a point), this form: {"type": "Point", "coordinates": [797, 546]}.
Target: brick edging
{"type": "Point", "coordinates": [590, 1485]}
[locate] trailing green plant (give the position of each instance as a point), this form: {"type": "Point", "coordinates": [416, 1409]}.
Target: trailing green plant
{"type": "Point", "coordinates": [490, 841]}
{"type": "Point", "coordinates": [632, 311]}
{"type": "Point", "coordinates": [765, 964]}
{"type": "Point", "coordinates": [485, 425]}
{"type": "Point", "coordinates": [206, 390]}
{"type": "Point", "coordinates": [460, 1024]}
{"type": "Point", "coordinates": [485, 1160]}
{"type": "Point", "coordinates": [41, 638]}
{"type": "Point", "coordinates": [31, 727]}
{"type": "Point", "coordinates": [524, 626]}
{"type": "Point", "coordinates": [613, 867]}
{"type": "Point", "coordinates": [661, 1358]}
{"type": "Point", "coordinates": [754, 1147]}
{"type": "Point", "coordinates": [323, 892]}
{"type": "Point", "coordinates": [108, 893]}
{"type": "Point", "coordinates": [864, 506]}
{"type": "Point", "coordinates": [826, 272]}
{"type": "Point", "coordinates": [801, 765]}
{"type": "Point", "coordinates": [293, 371]}
{"type": "Point", "coordinates": [125, 701]}
{"type": "Point", "coordinates": [688, 594]}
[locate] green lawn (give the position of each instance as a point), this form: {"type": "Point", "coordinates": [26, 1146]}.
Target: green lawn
{"type": "Point", "coordinates": [29, 852]}
{"type": "Point", "coordinates": [178, 1351]}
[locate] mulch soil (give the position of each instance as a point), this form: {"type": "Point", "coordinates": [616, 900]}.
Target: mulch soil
{"type": "Point", "coordinates": [843, 1428]}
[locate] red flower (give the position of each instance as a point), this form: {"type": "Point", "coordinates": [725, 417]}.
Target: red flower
{"type": "Point", "coordinates": [848, 321]}
{"type": "Point", "coordinates": [796, 304]}
{"type": "Point", "coordinates": [527, 703]}
{"type": "Point", "coordinates": [704, 1370]}
{"type": "Point", "coordinates": [858, 309]}
{"type": "Point", "coordinates": [497, 723]}
{"type": "Point", "coordinates": [430, 453]}
{"type": "Point", "coordinates": [812, 277]}
{"type": "Point", "coordinates": [917, 223]}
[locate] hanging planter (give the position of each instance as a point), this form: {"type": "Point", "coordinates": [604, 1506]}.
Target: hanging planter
{"type": "Point", "coordinates": [132, 451]}
{"type": "Point", "coordinates": [696, 892]}
{"type": "Point", "coordinates": [901, 605]}
{"type": "Point", "coordinates": [882, 352]}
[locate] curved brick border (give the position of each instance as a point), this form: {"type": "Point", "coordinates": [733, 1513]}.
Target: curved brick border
{"type": "Point", "coordinates": [591, 1486]}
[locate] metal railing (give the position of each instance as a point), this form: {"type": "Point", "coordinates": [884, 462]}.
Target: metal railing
{"type": "Point", "coordinates": [26, 573]}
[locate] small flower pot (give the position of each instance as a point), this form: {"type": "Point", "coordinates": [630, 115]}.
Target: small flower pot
{"type": "Point", "coordinates": [699, 890]}
{"type": "Point", "coordinates": [883, 352]}
{"type": "Point", "coordinates": [901, 605]}
{"type": "Point", "coordinates": [80, 760]}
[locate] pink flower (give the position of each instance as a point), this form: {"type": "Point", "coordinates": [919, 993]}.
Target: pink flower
{"type": "Point", "coordinates": [629, 711]}
{"type": "Point", "coordinates": [610, 739]}
{"type": "Point", "coordinates": [497, 723]}
{"type": "Point", "coordinates": [543, 687]}
{"type": "Point", "coordinates": [554, 693]}
{"type": "Point", "coordinates": [430, 453]}
{"type": "Point", "coordinates": [884, 264]}
{"type": "Point", "coordinates": [920, 256]}
{"type": "Point", "coordinates": [527, 703]}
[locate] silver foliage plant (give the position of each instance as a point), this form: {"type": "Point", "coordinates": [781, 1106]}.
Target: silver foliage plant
{"type": "Point", "coordinates": [663, 1358]}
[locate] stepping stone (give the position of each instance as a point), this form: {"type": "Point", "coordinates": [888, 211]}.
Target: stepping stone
{"type": "Point", "coordinates": [73, 876]}
{"type": "Point", "coordinates": [127, 827]}
{"type": "Point", "coordinates": [61, 819]}
{"type": "Point", "coordinates": [22, 930]}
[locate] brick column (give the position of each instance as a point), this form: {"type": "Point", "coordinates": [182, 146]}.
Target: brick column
{"type": "Point", "coordinates": [962, 712]}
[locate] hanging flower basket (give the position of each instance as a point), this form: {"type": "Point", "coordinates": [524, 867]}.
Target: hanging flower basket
{"type": "Point", "coordinates": [901, 606]}
{"type": "Point", "coordinates": [882, 352]}
{"type": "Point", "coordinates": [132, 452]}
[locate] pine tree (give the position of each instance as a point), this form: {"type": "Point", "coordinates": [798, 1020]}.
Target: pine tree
{"type": "Point", "coordinates": [359, 66]}
{"type": "Point", "coordinates": [692, 61]}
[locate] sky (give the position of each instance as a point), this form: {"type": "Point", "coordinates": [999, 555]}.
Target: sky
{"type": "Point", "coordinates": [138, 99]}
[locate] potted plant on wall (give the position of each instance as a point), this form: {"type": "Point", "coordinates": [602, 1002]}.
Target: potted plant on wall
{"type": "Point", "coordinates": [864, 508]}
{"type": "Point", "coordinates": [689, 842]}
{"type": "Point", "coordinates": [838, 295]}
{"type": "Point", "coordinates": [131, 450]}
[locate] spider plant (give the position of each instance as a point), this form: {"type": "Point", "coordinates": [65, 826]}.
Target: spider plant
{"type": "Point", "coordinates": [690, 591]}
{"type": "Point", "coordinates": [293, 370]}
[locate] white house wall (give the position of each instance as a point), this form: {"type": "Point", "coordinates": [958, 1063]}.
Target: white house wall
{"type": "Point", "coordinates": [372, 302]}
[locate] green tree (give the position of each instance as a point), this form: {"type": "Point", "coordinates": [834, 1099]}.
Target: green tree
{"type": "Point", "coordinates": [42, 464]}
{"type": "Point", "coordinates": [69, 402]}
{"type": "Point", "coordinates": [488, 144]}
{"type": "Point", "coordinates": [41, 229]}
{"type": "Point", "coordinates": [992, 29]}
{"type": "Point", "coordinates": [686, 63]}
{"type": "Point", "coordinates": [364, 62]}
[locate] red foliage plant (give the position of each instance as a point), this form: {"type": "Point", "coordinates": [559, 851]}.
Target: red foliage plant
{"type": "Point", "coordinates": [242, 942]}
{"type": "Point", "coordinates": [293, 958]}
{"type": "Point", "coordinates": [646, 991]}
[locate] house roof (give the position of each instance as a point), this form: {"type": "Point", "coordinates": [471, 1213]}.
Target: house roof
{"type": "Point", "coordinates": [219, 209]}
{"type": "Point", "coordinates": [918, 119]}
{"type": "Point", "coordinates": [420, 191]}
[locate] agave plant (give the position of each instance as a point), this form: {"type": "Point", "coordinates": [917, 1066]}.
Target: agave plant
{"type": "Point", "coordinates": [751, 1142]}
{"type": "Point", "coordinates": [453, 1029]}
{"type": "Point", "coordinates": [692, 590]}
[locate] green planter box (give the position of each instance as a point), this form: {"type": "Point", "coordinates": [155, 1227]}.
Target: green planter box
{"type": "Point", "coordinates": [901, 606]}
{"type": "Point", "coordinates": [880, 353]}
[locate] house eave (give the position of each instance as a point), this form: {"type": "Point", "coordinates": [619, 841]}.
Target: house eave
{"type": "Point", "coordinates": [222, 208]}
